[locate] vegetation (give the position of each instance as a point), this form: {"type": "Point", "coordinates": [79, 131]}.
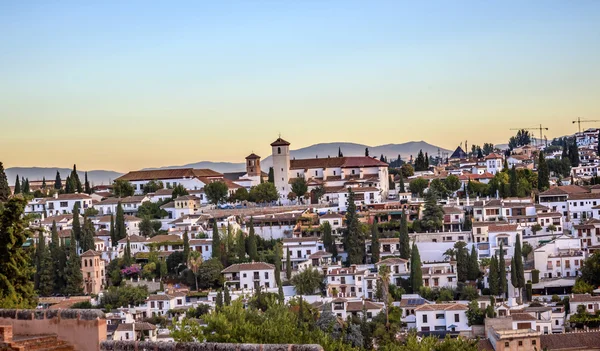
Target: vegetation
{"type": "Point", "coordinates": [122, 188]}
{"type": "Point", "coordinates": [416, 275]}
{"type": "Point", "coordinates": [263, 193]}
{"type": "Point", "coordinates": [216, 192]}
{"type": "Point", "coordinates": [308, 281]}
{"type": "Point", "coordinates": [353, 237]}
{"type": "Point", "coordinates": [299, 187]}
{"type": "Point", "coordinates": [433, 214]}
{"type": "Point", "coordinates": [417, 186]}
{"type": "Point", "coordinates": [4, 188]}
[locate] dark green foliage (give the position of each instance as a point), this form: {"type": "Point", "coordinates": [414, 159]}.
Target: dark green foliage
{"type": "Point", "coordinates": [590, 271]}
{"type": "Point", "coordinates": [113, 231]}
{"type": "Point", "coordinates": [353, 238]}
{"type": "Point", "coordinates": [503, 287]}
{"type": "Point", "coordinates": [216, 242]}
{"type": "Point", "coordinates": [475, 315]}
{"type": "Point", "coordinates": [122, 188]}
{"type": "Point", "coordinates": [404, 238]}
{"type": "Point", "coordinates": [4, 187]}
{"type": "Point", "coordinates": [176, 262]}
{"type": "Point", "coordinates": [522, 138]}
{"type": "Point", "coordinates": [17, 189]}
{"type": "Point", "coordinates": [77, 187]}
{"type": "Point", "coordinates": [57, 181]}
{"type": "Point", "coordinates": [340, 154]}
{"type": "Point", "coordinates": [26, 189]}
{"type": "Point", "coordinates": [240, 195]}
{"type": "Point", "coordinates": [127, 258]}
{"type": "Point", "coordinates": [328, 240]}
{"type": "Point", "coordinates": [493, 277]}
{"type": "Point", "coordinates": [543, 173]}
{"type": "Point", "coordinates": [418, 185]}
{"type": "Point", "coordinates": [474, 271]}
{"type": "Point", "coordinates": [265, 192]}
{"type": "Point", "coordinates": [519, 267]}
{"type": "Point", "coordinates": [226, 298]}
{"type": "Point", "coordinates": [87, 239]}
{"type": "Point", "coordinates": [420, 163]}
{"type": "Point", "coordinates": [73, 275]}
{"type": "Point", "coordinates": [278, 249]}
{"type": "Point", "coordinates": [513, 181]}
{"type": "Point", "coordinates": [252, 249]}
{"type": "Point", "coordinates": [59, 259]}
{"type": "Point", "coordinates": [123, 296]}
{"type": "Point", "coordinates": [153, 186]}
{"type": "Point", "coordinates": [219, 301]}
{"type": "Point", "coordinates": [216, 192]}
{"type": "Point", "coordinates": [574, 154]}
{"type": "Point", "coordinates": [462, 260]}
{"type": "Point", "coordinates": [186, 245]}
{"type": "Point", "coordinates": [120, 229]}
{"type": "Point", "coordinates": [45, 272]}
{"type": "Point", "coordinates": [401, 184]}
{"type": "Point", "coordinates": [149, 228]}
{"type": "Point", "coordinates": [299, 187]}
{"type": "Point", "coordinates": [288, 266]}
{"type": "Point", "coordinates": [433, 214]}
{"type": "Point", "coordinates": [308, 281]}
{"type": "Point", "coordinates": [271, 178]}
{"type": "Point", "coordinates": [375, 248]}
{"type": "Point", "coordinates": [76, 227]}
{"type": "Point", "coordinates": [416, 275]}
{"type": "Point", "coordinates": [88, 189]}
{"type": "Point", "coordinates": [209, 274]}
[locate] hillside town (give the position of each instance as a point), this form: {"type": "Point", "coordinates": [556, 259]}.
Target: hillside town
{"type": "Point", "coordinates": [484, 248]}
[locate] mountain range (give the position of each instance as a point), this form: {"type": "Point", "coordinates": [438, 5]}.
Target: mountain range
{"type": "Point", "coordinates": [391, 151]}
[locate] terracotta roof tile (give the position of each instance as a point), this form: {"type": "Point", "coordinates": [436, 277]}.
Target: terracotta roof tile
{"type": "Point", "coordinates": [254, 266]}
{"type": "Point", "coordinates": [503, 228]}
{"type": "Point", "coordinates": [571, 341]}
{"type": "Point", "coordinates": [442, 307]}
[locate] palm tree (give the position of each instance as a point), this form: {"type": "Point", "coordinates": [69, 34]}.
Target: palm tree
{"type": "Point", "coordinates": [307, 281]}
{"type": "Point", "coordinates": [384, 277]}
{"type": "Point", "coordinates": [194, 262]}
{"type": "Point", "coordinates": [450, 254]}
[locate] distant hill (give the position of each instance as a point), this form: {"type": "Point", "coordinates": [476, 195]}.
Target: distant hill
{"type": "Point", "coordinates": [96, 177]}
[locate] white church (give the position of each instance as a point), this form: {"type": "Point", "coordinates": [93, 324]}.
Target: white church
{"type": "Point", "coordinates": [368, 177]}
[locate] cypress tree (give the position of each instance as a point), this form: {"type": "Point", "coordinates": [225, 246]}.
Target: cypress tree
{"type": "Point", "coordinates": [17, 186]}
{"type": "Point", "coordinates": [280, 295]}
{"type": "Point", "coordinates": [241, 246]}
{"type": "Point", "coordinates": [59, 259]}
{"type": "Point", "coordinates": [68, 185]}
{"type": "Point", "coordinates": [271, 175]}
{"type": "Point", "coordinates": [367, 152]}
{"type": "Point", "coordinates": [375, 249]}
{"type": "Point", "coordinates": [502, 289]}
{"type": "Point", "coordinates": [73, 275]}
{"type": "Point", "coordinates": [87, 242]}
{"type": "Point", "coordinates": [39, 251]}
{"type": "Point", "coordinates": [340, 154]}
{"type": "Point", "coordinates": [226, 297]}
{"type": "Point", "coordinates": [327, 236]}
{"type": "Point", "coordinates": [252, 249]}
{"type": "Point", "coordinates": [288, 266]}
{"type": "Point", "coordinates": [120, 230]}
{"type": "Point", "coordinates": [186, 245]}
{"type": "Point", "coordinates": [277, 260]}
{"type": "Point", "coordinates": [543, 173]}
{"type": "Point", "coordinates": [57, 181]}
{"type": "Point", "coordinates": [493, 277]}
{"type": "Point", "coordinates": [46, 273]}
{"type": "Point", "coordinates": [404, 239]}
{"type": "Point", "coordinates": [219, 302]}
{"type": "Point", "coordinates": [513, 181]}
{"type": "Point", "coordinates": [88, 189]}
{"type": "Point", "coordinates": [113, 235]}
{"type": "Point", "coordinates": [519, 268]}
{"type": "Point", "coordinates": [426, 160]}
{"type": "Point", "coordinates": [77, 187]}
{"type": "Point", "coordinates": [353, 244]}
{"type": "Point", "coordinates": [462, 261]}
{"type": "Point", "coordinates": [416, 275]}
{"type": "Point", "coordinates": [26, 189]}
{"type": "Point", "coordinates": [127, 259]}
{"type": "Point", "coordinates": [43, 182]}
{"type": "Point", "coordinates": [76, 224]}
{"type": "Point", "coordinates": [216, 242]}
{"type": "Point", "coordinates": [473, 265]}
{"type": "Point", "coordinates": [513, 273]}
{"type": "Point", "coordinates": [4, 187]}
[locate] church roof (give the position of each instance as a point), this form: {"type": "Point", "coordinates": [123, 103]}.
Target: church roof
{"type": "Point", "coordinates": [280, 142]}
{"type": "Point", "coordinates": [459, 153]}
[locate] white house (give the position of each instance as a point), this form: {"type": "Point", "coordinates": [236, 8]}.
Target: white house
{"type": "Point", "coordinates": [348, 282]}
{"type": "Point", "coordinates": [442, 317]}
{"type": "Point", "coordinates": [204, 246]}
{"type": "Point", "coordinates": [136, 244]}
{"type": "Point", "coordinates": [134, 331]}
{"type": "Point", "coordinates": [160, 304]}
{"type": "Point", "coordinates": [562, 257]}
{"type": "Point", "coordinates": [505, 234]}
{"type": "Point", "coordinates": [248, 275]}
{"type": "Point", "coordinates": [64, 203]}
{"type": "Point", "coordinates": [335, 220]}
{"type": "Point", "coordinates": [494, 163]}
{"type": "Point", "coordinates": [590, 303]}
{"type": "Point", "coordinates": [343, 308]}
{"type": "Point", "coordinates": [300, 249]}
{"type": "Point", "coordinates": [398, 269]}
{"type": "Point", "coordinates": [439, 274]}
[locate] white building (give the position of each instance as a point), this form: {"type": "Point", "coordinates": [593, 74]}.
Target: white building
{"type": "Point", "coordinates": [439, 274]}
{"type": "Point", "coordinates": [300, 249]}
{"type": "Point", "coordinates": [160, 304]}
{"type": "Point", "coordinates": [562, 257]}
{"type": "Point", "coordinates": [343, 308]}
{"type": "Point", "coordinates": [134, 331]}
{"type": "Point", "coordinates": [494, 163]}
{"type": "Point", "coordinates": [349, 282]}
{"type": "Point", "coordinates": [204, 246]}
{"type": "Point", "coordinates": [248, 275]}
{"type": "Point", "coordinates": [398, 269]}
{"type": "Point", "coordinates": [63, 203]}
{"type": "Point", "coordinates": [329, 172]}
{"type": "Point", "coordinates": [442, 317]}
{"type": "Point", "coordinates": [136, 244]}
{"type": "Point", "coordinates": [590, 303]}
{"type": "Point", "coordinates": [505, 234]}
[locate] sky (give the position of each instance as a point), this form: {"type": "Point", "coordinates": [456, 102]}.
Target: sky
{"type": "Point", "coordinates": [123, 85]}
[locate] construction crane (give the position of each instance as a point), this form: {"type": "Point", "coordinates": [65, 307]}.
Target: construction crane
{"type": "Point", "coordinates": [579, 121]}
{"type": "Point", "coordinates": [541, 129]}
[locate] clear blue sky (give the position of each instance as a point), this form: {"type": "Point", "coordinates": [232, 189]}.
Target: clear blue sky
{"type": "Point", "coordinates": [178, 82]}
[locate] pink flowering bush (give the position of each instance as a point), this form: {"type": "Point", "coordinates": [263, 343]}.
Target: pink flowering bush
{"type": "Point", "coordinates": [131, 271]}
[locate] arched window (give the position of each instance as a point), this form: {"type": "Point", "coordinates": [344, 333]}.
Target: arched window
{"type": "Point", "coordinates": [85, 263]}
{"type": "Point", "coordinates": [279, 150]}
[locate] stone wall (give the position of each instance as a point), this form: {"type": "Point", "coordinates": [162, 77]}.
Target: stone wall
{"type": "Point", "coordinates": [196, 346]}
{"type": "Point", "coordinates": [84, 329]}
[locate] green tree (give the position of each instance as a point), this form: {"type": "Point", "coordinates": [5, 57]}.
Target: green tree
{"type": "Point", "coordinates": [120, 229]}
{"type": "Point", "coordinates": [252, 247]}
{"type": "Point", "coordinates": [113, 232]}
{"type": "Point", "coordinates": [581, 287]}
{"type": "Point", "coordinates": [127, 258]}
{"type": "Point", "coordinates": [46, 272]}
{"type": "Point", "coordinates": [513, 181]}
{"type": "Point", "coordinates": [277, 261]}
{"type": "Point", "coordinates": [288, 266]}
{"type": "Point", "coordinates": [418, 185]}
{"type": "Point", "coordinates": [216, 192]}
{"type": "Point", "coordinates": [4, 188]}
{"type": "Point", "coordinates": [375, 248]}
{"type": "Point", "coordinates": [401, 183]}
{"type": "Point", "coordinates": [151, 210]}
{"type": "Point", "coordinates": [590, 270]}
{"type": "Point", "coordinates": [209, 274]}
{"type": "Point", "coordinates": [462, 260]}
{"type": "Point", "coordinates": [226, 297]}
{"type": "Point", "coordinates": [328, 240]}
{"type": "Point", "coordinates": [186, 245]}
{"type": "Point", "coordinates": [493, 277]}
{"type": "Point", "coordinates": [153, 186]}
{"type": "Point", "coordinates": [475, 315]}
{"type": "Point", "coordinates": [265, 192]}
{"type": "Point", "coordinates": [219, 301]}
{"type": "Point", "coordinates": [416, 275]}
{"type": "Point", "coordinates": [122, 188]}
{"type": "Point", "coordinates": [241, 194]}
{"type": "Point", "coordinates": [438, 187]}
{"type": "Point", "coordinates": [404, 238]}
{"type": "Point", "coordinates": [474, 271]}
{"type": "Point", "coordinates": [420, 162]}
{"type": "Point", "coordinates": [87, 236]}
{"type": "Point", "coordinates": [88, 189]}
{"type": "Point", "coordinates": [519, 268]}
{"type": "Point", "coordinates": [26, 190]}
{"type": "Point", "coordinates": [503, 287]}
{"type": "Point", "coordinates": [17, 189]}
{"type": "Point", "coordinates": [58, 181]}
{"type": "Point", "coordinates": [216, 241]}
{"type": "Point", "coordinates": [271, 178]}
{"type": "Point", "coordinates": [16, 270]}
{"type": "Point", "coordinates": [299, 187]}
{"type": "Point", "coordinates": [59, 260]}
{"type": "Point", "coordinates": [76, 226]}
{"type": "Point", "coordinates": [353, 243]}
{"type": "Point", "coordinates": [77, 187]}
{"type": "Point", "coordinates": [73, 275]}
{"type": "Point", "coordinates": [307, 281]}
{"type": "Point", "coordinates": [452, 183]}
{"type": "Point", "coordinates": [433, 213]}
{"type": "Point", "coordinates": [543, 173]}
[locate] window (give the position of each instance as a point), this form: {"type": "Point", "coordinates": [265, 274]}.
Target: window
{"type": "Point", "coordinates": [533, 342]}
{"type": "Point", "coordinates": [506, 344]}
{"type": "Point", "coordinates": [457, 317]}
{"type": "Point", "coordinates": [424, 318]}
{"type": "Point", "coordinates": [64, 204]}
{"type": "Point", "coordinates": [266, 275]}
{"type": "Point", "coordinates": [520, 342]}
{"type": "Point", "coordinates": [279, 150]}
{"type": "Point", "coordinates": [439, 316]}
